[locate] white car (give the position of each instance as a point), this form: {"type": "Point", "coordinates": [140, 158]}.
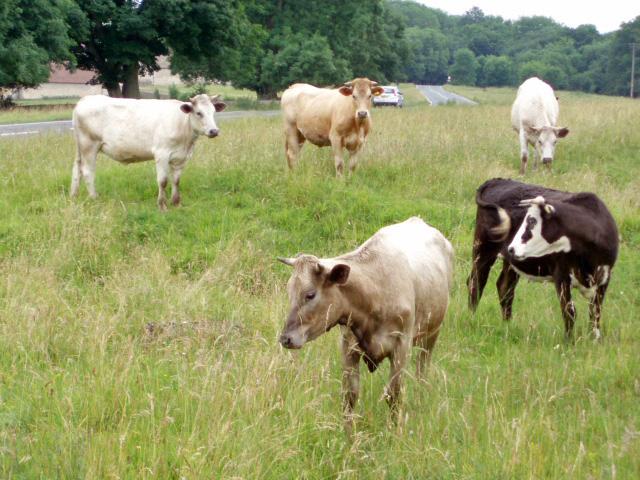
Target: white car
{"type": "Point", "coordinates": [391, 97]}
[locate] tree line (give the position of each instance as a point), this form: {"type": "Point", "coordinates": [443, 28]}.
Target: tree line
{"type": "Point", "coordinates": [265, 45]}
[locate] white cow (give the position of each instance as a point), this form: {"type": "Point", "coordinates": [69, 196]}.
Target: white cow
{"type": "Point", "coordinates": [534, 116]}
{"type": "Point", "coordinates": [131, 131]}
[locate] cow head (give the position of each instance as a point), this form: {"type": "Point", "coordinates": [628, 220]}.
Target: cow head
{"type": "Point", "coordinates": [361, 91]}
{"type": "Point", "coordinates": [315, 298]}
{"type": "Point", "coordinates": [545, 139]}
{"type": "Point", "coordinates": [201, 109]}
{"type": "Point", "coordinates": [540, 233]}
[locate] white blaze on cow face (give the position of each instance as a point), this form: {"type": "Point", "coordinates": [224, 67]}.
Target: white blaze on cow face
{"type": "Point", "coordinates": [201, 110]}
{"type": "Point", "coordinates": [314, 299]}
{"type": "Point", "coordinates": [528, 241]}
{"type": "Point", "coordinates": [361, 91]}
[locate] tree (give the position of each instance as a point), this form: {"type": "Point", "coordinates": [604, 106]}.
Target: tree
{"type": "Point", "coordinates": [33, 33]}
{"type": "Point", "coordinates": [364, 37]}
{"type": "Point", "coordinates": [428, 59]}
{"type": "Point", "coordinates": [497, 71]}
{"type": "Point", "coordinates": [619, 64]}
{"type": "Point", "coordinates": [465, 67]}
{"type": "Point", "coordinates": [121, 39]}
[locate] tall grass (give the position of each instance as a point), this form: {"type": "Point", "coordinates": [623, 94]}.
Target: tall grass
{"type": "Point", "coordinates": [135, 344]}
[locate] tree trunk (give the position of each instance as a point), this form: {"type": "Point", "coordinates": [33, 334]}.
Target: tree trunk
{"type": "Point", "coordinates": [113, 89]}
{"type": "Point", "coordinates": [130, 86]}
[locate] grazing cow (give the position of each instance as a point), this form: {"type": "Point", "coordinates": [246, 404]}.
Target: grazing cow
{"type": "Point", "coordinates": [570, 239]}
{"type": "Point", "coordinates": [131, 131]}
{"type": "Point", "coordinates": [390, 293]}
{"type": "Point", "coordinates": [323, 116]}
{"type": "Point", "coordinates": [534, 116]}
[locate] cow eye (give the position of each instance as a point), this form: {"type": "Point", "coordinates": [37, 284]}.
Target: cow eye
{"type": "Point", "coordinates": [310, 296]}
{"type": "Point", "coordinates": [531, 221]}
{"type": "Point", "coordinates": [199, 114]}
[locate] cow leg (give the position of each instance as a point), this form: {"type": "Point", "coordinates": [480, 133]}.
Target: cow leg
{"type": "Point", "coordinates": [524, 150]}
{"type": "Point", "coordinates": [563, 289]}
{"type": "Point", "coordinates": [176, 172]}
{"type": "Point", "coordinates": [595, 307]}
{"type": "Point", "coordinates": [162, 174]}
{"type": "Point", "coordinates": [393, 390]}
{"type": "Point", "coordinates": [336, 146]}
{"type": "Point", "coordinates": [351, 355]}
{"type": "Point", "coordinates": [293, 145]}
{"type": "Point", "coordinates": [483, 260]}
{"type": "Point", "coordinates": [506, 284]}
{"type": "Point", "coordinates": [85, 165]}
{"type": "Point", "coordinates": [426, 345]}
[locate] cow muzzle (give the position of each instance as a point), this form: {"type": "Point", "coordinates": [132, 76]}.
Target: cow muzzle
{"type": "Point", "coordinates": [212, 133]}
{"type": "Point", "coordinates": [362, 114]}
{"type": "Point", "coordinates": [547, 161]}
{"type": "Point", "coordinates": [291, 340]}
{"type": "Point", "coordinates": [512, 253]}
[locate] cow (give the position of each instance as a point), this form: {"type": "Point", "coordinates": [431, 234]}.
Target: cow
{"type": "Point", "coordinates": [129, 131]}
{"type": "Point", "coordinates": [570, 239]}
{"type": "Point", "coordinates": [534, 115]}
{"type": "Point", "coordinates": [336, 117]}
{"type": "Point", "coordinates": [390, 293]}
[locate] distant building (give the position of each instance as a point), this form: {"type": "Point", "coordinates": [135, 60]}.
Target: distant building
{"type": "Point", "coordinates": [64, 83]}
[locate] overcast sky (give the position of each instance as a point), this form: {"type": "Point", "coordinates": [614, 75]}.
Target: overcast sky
{"type": "Point", "coordinates": [606, 15]}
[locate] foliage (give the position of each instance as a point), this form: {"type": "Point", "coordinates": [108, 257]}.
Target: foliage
{"type": "Point", "coordinates": [32, 34]}
{"type": "Point", "coordinates": [121, 39]}
{"type": "Point", "coordinates": [465, 67]}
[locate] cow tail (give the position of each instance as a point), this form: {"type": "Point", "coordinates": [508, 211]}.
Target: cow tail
{"type": "Point", "coordinates": [499, 232]}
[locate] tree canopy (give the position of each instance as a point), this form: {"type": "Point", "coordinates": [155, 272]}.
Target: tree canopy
{"type": "Point", "coordinates": [266, 45]}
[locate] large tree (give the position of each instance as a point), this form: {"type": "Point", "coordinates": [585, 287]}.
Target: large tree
{"type": "Point", "coordinates": [121, 39]}
{"type": "Point", "coordinates": [33, 33]}
{"type": "Point", "coordinates": [349, 38]}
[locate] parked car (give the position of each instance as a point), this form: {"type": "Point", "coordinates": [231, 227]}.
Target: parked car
{"type": "Point", "coordinates": [391, 97]}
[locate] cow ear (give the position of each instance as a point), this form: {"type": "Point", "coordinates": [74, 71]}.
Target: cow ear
{"type": "Point", "coordinates": [219, 106]}
{"type": "Point", "coordinates": [346, 91]}
{"type": "Point", "coordinates": [339, 274]}
{"type": "Point", "coordinates": [377, 91]}
{"type": "Point", "coordinates": [562, 132]}
{"type": "Point", "coordinates": [186, 107]}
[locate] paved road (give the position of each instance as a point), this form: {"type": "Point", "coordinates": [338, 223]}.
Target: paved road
{"type": "Point", "coordinates": [437, 95]}
{"type": "Point", "coordinates": [61, 126]}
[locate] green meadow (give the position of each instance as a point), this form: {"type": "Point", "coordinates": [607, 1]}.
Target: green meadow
{"type": "Point", "coordinates": [136, 344]}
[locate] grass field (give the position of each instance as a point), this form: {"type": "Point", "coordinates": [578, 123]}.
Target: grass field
{"type": "Point", "coordinates": [89, 390]}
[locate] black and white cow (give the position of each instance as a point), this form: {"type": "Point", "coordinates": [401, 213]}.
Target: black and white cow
{"type": "Point", "coordinates": [570, 239]}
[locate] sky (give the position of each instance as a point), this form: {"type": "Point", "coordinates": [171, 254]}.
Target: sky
{"type": "Point", "coordinates": [606, 15]}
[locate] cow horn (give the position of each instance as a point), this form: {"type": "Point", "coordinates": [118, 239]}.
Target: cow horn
{"type": "Point", "coordinates": [215, 97]}
{"type": "Point", "coordinates": [193, 99]}
{"type": "Point", "coordinates": [539, 200]}
{"type": "Point", "coordinates": [287, 261]}
{"type": "Point", "coordinates": [374, 84]}
{"type": "Point", "coordinates": [348, 84]}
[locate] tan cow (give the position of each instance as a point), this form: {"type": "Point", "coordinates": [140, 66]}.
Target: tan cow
{"type": "Point", "coordinates": [337, 117]}
{"type": "Point", "coordinates": [389, 294]}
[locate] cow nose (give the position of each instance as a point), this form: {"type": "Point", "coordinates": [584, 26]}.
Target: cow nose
{"type": "Point", "coordinates": [546, 160]}
{"type": "Point", "coordinates": [362, 114]}
{"type": "Point", "coordinates": [213, 133]}
{"type": "Point", "coordinates": [285, 340]}
{"type": "Point", "coordinates": [511, 251]}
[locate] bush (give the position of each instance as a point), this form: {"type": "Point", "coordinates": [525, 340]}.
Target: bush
{"type": "Point", "coordinates": [174, 91]}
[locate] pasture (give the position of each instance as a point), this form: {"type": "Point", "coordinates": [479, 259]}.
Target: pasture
{"type": "Point", "coordinates": [137, 344]}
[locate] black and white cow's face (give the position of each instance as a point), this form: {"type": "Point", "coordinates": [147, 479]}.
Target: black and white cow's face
{"type": "Point", "coordinates": [540, 233]}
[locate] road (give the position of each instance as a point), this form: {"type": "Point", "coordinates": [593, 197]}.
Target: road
{"type": "Point", "coordinates": [437, 95]}
{"type": "Point", "coordinates": [61, 126]}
